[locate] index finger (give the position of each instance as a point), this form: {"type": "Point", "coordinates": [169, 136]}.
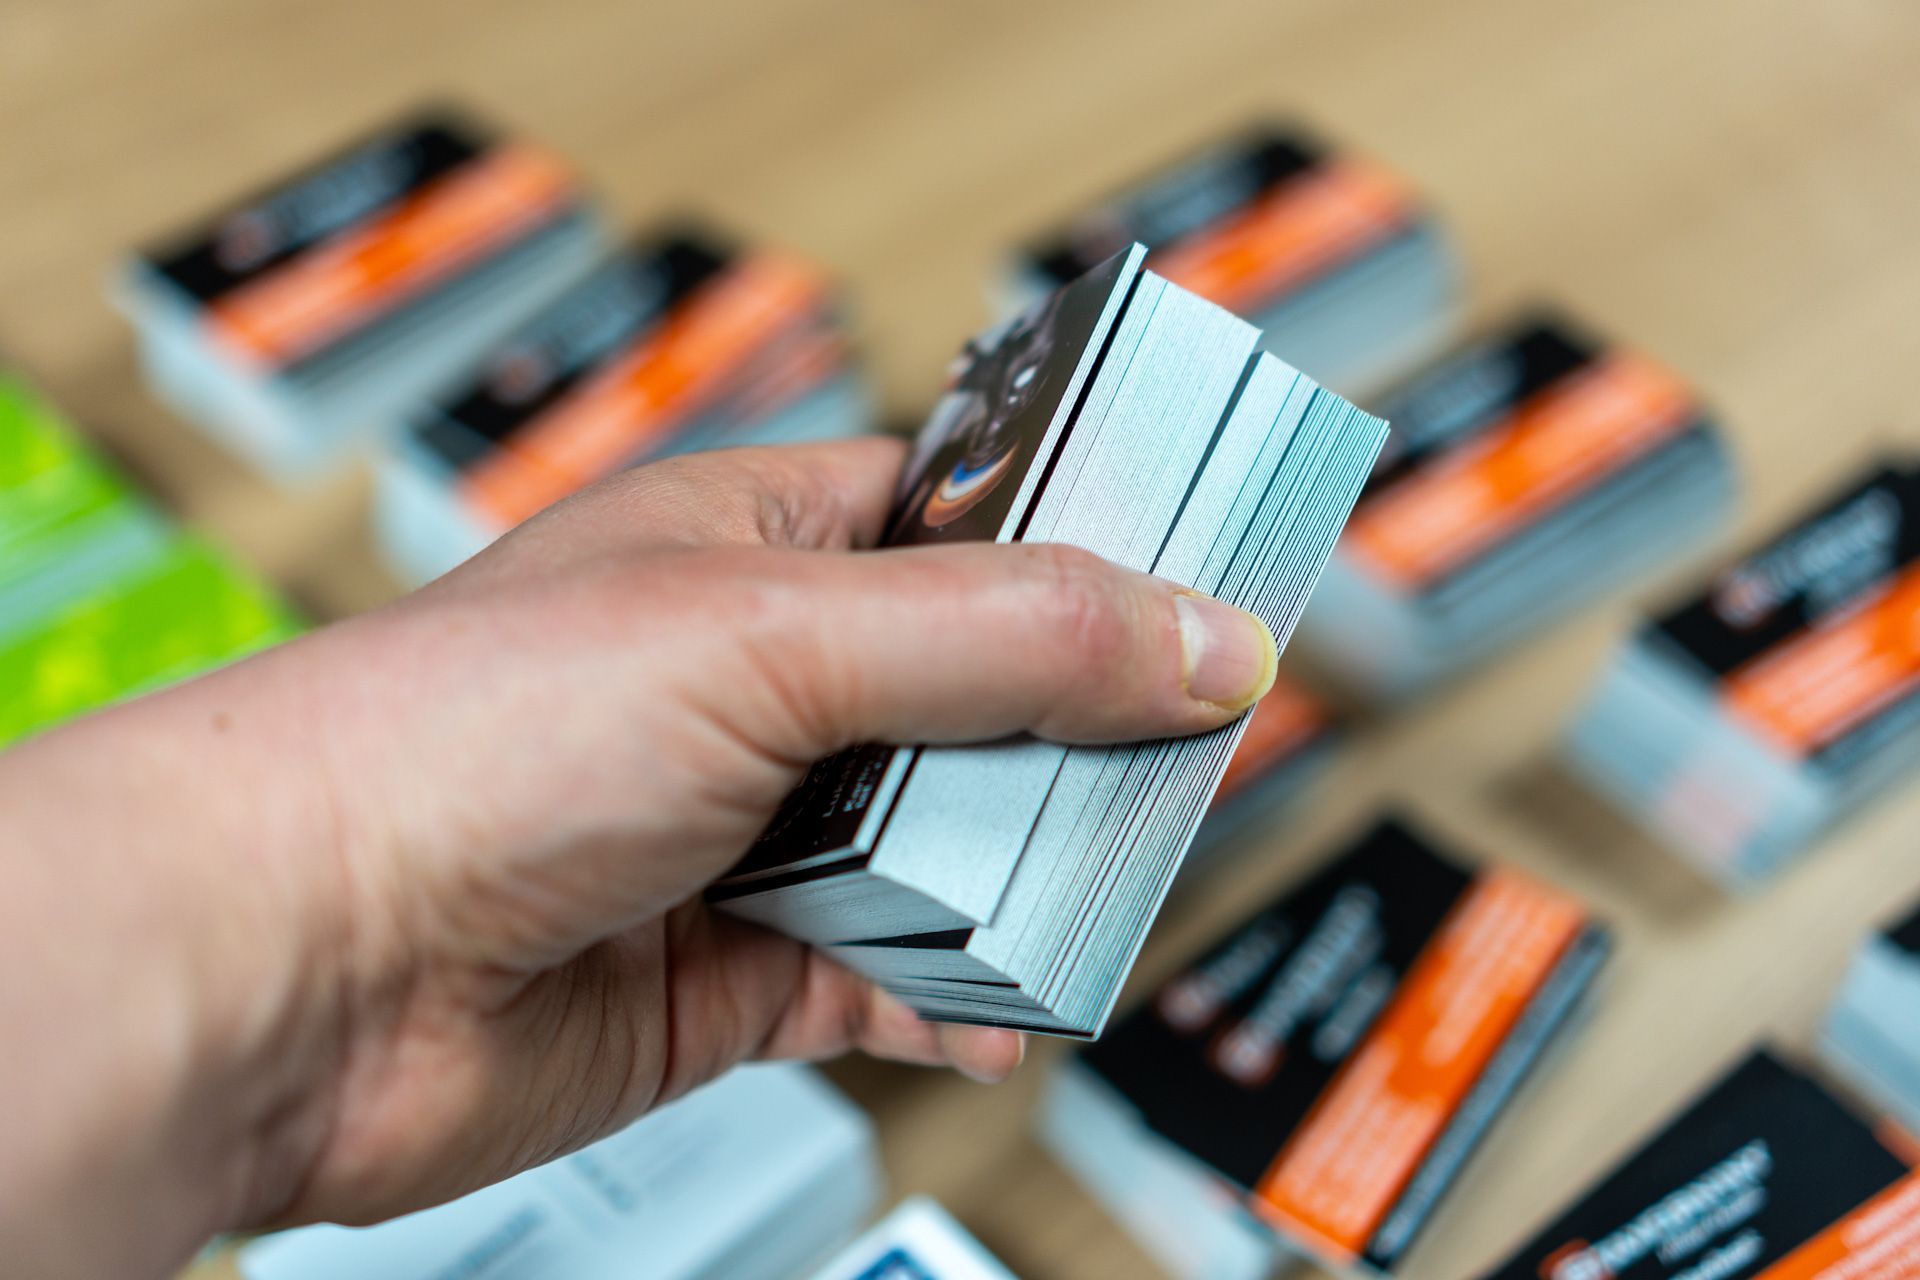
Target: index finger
{"type": "Point", "coordinates": [833, 495]}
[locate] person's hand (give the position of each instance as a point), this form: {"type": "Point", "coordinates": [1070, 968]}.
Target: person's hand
{"type": "Point", "coordinates": [416, 899]}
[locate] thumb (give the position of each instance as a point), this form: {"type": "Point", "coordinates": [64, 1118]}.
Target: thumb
{"type": "Point", "coordinates": [973, 642]}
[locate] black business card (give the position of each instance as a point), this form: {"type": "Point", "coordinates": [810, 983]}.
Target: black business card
{"type": "Point", "coordinates": [1763, 1163]}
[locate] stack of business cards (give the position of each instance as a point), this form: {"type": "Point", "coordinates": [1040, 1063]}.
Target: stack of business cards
{"type": "Point", "coordinates": [101, 598]}
{"type": "Point", "coordinates": [681, 341]}
{"type": "Point", "coordinates": [1289, 739]}
{"type": "Point", "coordinates": [68, 521]}
{"type": "Point", "coordinates": [1764, 1176]}
{"type": "Point", "coordinates": [1013, 883]}
{"type": "Point", "coordinates": [917, 1241]}
{"type": "Point", "coordinates": [1329, 253]}
{"type": "Point", "coordinates": [1528, 472]}
{"type": "Point", "coordinates": [1316, 1082]}
{"type": "Point", "coordinates": [757, 1176]}
{"type": "Point", "coordinates": [303, 319]}
{"type": "Point", "coordinates": [1741, 724]}
{"type": "Point", "coordinates": [1871, 1037]}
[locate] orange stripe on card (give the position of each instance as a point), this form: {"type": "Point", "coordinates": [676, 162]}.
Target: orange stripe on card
{"type": "Point", "coordinates": [1825, 682]}
{"type": "Point", "coordinates": [1878, 1241]}
{"type": "Point", "coordinates": [641, 399]}
{"type": "Point", "coordinates": [322, 294]}
{"type": "Point", "coordinates": [1563, 440]}
{"type": "Point", "coordinates": [1298, 229]}
{"type": "Point", "coordinates": [798, 367]}
{"type": "Point", "coordinates": [1345, 1167]}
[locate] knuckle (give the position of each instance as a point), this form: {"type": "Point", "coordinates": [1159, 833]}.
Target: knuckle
{"type": "Point", "coordinates": [1086, 606]}
{"type": "Point", "coordinates": [730, 498]}
{"type": "Point", "coordinates": [799, 691]}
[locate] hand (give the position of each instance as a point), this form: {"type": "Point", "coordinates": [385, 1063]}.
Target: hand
{"type": "Point", "coordinates": [417, 898]}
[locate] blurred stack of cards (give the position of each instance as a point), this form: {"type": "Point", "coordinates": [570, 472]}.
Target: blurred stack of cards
{"type": "Point", "coordinates": [917, 1241]}
{"type": "Point", "coordinates": [757, 1176]}
{"type": "Point", "coordinates": [680, 341]}
{"type": "Point", "coordinates": [1013, 883]}
{"type": "Point", "coordinates": [1766, 1176]}
{"type": "Point", "coordinates": [1289, 739]}
{"type": "Point", "coordinates": [1740, 725]}
{"type": "Point", "coordinates": [1528, 472]}
{"type": "Point", "coordinates": [1330, 254]}
{"type": "Point", "coordinates": [303, 320]}
{"type": "Point", "coordinates": [101, 597]}
{"type": "Point", "coordinates": [1871, 1037]}
{"type": "Point", "coordinates": [1317, 1081]}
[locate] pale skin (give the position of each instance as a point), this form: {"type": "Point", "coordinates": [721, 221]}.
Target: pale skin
{"type": "Point", "coordinates": [413, 903]}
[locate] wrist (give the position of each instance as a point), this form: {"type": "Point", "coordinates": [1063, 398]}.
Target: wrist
{"type": "Point", "coordinates": [213, 903]}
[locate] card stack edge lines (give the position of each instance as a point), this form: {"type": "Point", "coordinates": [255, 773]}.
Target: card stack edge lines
{"type": "Point", "coordinates": [1738, 725]}
{"type": "Point", "coordinates": [1290, 738]}
{"type": "Point", "coordinates": [1286, 1093]}
{"type": "Point", "coordinates": [1870, 1038]}
{"type": "Point", "coordinates": [295, 325]}
{"type": "Point", "coordinates": [918, 1240]}
{"type": "Point", "coordinates": [989, 438]}
{"type": "Point", "coordinates": [1158, 438]}
{"type": "Point", "coordinates": [760, 1175]}
{"type": "Point", "coordinates": [683, 339]}
{"type": "Point", "coordinates": [1078, 960]}
{"type": "Point", "coordinates": [1531, 470]}
{"type": "Point", "coordinates": [1764, 1176]}
{"type": "Point", "coordinates": [1331, 255]}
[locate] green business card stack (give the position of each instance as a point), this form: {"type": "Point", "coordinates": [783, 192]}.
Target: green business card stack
{"type": "Point", "coordinates": [101, 597]}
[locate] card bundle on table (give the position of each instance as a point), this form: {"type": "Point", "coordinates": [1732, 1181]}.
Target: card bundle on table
{"type": "Point", "coordinates": [760, 1175]}
{"type": "Point", "coordinates": [1013, 883]}
{"type": "Point", "coordinates": [1871, 1037]}
{"type": "Point", "coordinates": [1765, 1177]}
{"type": "Point", "coordinates": [304, 319]}
{"type": "Point", "coordinates": [101, 597]}
{"type": "Point", "coordinates": [1288, 741]}
{"type": "Point", "coordinates": [917, 1241]}
{"type": "Point", "coordinates": [1330, 254]}
{"type": "Point", "coordinates": [1316, 1082]}
{"type": "Point", "coordinates": [680, 341]}
{"type": "Point", "coordinates": [1740, 725]}
{"type": "Point", "coordinates": [1528, 472]}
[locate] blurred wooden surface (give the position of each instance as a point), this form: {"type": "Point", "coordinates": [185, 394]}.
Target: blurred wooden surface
{"type": "Point", "coordinates": [1733, 185]}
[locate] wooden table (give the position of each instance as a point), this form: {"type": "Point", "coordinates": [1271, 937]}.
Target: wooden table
{"type": "Point", "coordinates": [1733, 185]}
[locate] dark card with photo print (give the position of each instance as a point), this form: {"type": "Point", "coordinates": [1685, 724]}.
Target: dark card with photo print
{"type": "Point", "coordinates": [976, 467]}
{"type": "Point", "coordinates": [983, 453]}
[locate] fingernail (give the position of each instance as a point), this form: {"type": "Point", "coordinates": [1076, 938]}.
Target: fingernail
{"type": "Point", "coordinates": [1229, 654]}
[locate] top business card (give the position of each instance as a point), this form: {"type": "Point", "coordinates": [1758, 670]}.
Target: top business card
{"type": "Point", "coordinates": [1809, 640]}
{"type": "Point", "coordinates": [294, 270]}
{"type": "Point", "coordinates": [680, 330]}
{"type": "Point", "coordinates": [1343, 1051]}
{"type": "Point", "coordinates": [1492, 442]}
{"type": "Point", "coordinates": [1766, 1177]}
{"type": "Point", "coordinates": [1244, 222]}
